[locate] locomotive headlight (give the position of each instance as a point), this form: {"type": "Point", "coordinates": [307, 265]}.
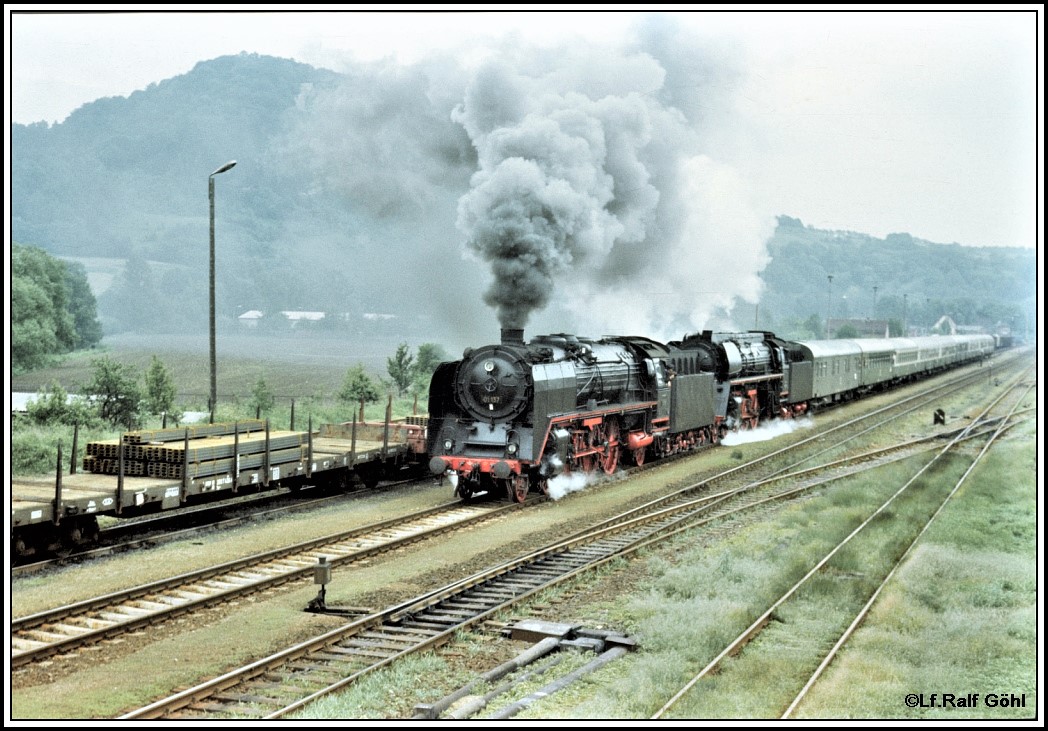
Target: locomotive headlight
{"type": "Point", "coordinates": [489, 365]}
{"type": "Point", "coordinates": [447, 444]}
{"type": "Point", "coordinates": [512, 449]}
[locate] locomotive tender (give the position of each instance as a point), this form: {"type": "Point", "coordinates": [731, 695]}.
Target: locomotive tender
{"type": "Point", "coordinates": [513, 415]}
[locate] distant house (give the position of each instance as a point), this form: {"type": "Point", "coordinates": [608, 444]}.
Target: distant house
{"type": "Point", "coordinates": [295, 317]}
{"type": "Point", "coordinates": [250, 318]}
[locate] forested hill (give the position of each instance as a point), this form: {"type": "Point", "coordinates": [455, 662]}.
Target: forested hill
{"type": "Point", "coordinates": [344, 199]}
{"type": "Point", "coordinates": [331, 168]}
{"type": "Point", "coordinates": [123, 176]}
{"type": "Point", "coordinates": [919, 279]}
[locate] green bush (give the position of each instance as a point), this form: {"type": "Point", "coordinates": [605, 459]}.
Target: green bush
{"type": "Point", "coordinates": [35, 447]}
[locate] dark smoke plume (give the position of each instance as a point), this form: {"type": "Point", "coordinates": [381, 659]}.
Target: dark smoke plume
{"type": "Point", "coordinates": [560, 183]}
{"type": "Point", "coordinates": [589, 181]}
{"type": "Point", "coordinates": [593, 186]}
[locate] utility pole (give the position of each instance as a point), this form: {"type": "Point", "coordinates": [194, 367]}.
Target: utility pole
{"type": "Point", "coordinates": [213, 400]}
{"type": "Point", "coordinates": [829, 302]}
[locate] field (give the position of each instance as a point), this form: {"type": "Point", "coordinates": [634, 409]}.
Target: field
{"type": "Point", "coordinates": [293, 367]}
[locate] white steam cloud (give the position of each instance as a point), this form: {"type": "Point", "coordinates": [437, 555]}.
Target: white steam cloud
{"type": "Point", "coordinates": [588, 181]}
{"type": "Point", "coordinates": [570, 482]}
{"type": "Point", "coordinates": [767, 432]}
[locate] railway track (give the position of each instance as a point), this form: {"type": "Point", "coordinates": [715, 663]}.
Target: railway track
{"type": "Point", "coordinates": [984, 426]}
{"type": "Point", "coordinates": [138, 533]}
{"type": "Point", "coordinates": [287, 681]}
{"type": "Point", "coordinates": [305, 569]}
{"type": "Point", "coordinates": [62, 629]}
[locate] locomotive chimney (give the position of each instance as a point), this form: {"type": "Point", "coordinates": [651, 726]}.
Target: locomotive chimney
{"type": "Point", "coordinates": [512, 336]}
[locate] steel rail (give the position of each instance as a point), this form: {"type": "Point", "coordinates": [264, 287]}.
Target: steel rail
{"type": "Point", "coordinates": [864, 612]}
{"type": "Point", "coordinates": [61, 629]}
{"type": "Point", "coordinates": [758, 624]}
{"type": "Point", "coordinates": [673, 521]}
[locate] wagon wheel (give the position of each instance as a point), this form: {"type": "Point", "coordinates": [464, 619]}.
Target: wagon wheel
{"type": "Point", "coordinates": [609, 461]}
{"type": "Point", "coordinates": [80, 533]}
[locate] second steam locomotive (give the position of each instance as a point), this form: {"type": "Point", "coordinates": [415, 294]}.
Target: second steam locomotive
{"type": "Point", "coordinates": [511, 416]}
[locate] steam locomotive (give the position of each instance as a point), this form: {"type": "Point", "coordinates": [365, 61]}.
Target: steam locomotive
{"type": "Point", "coordinates": [509, 417]}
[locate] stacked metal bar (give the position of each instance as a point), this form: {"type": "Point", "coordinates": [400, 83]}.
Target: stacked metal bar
{"type": "Point", "coordinates": [201, 430]}
{"type": "Point", "coordinates": [210, 450]}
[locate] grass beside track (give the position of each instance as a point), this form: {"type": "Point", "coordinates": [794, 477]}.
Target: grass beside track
{"type": "Point", "coordinates": [960, 617]}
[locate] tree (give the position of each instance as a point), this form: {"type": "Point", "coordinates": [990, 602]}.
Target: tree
{"type": "Point", "coordinates": [41, 325]}
{"type": "Point", "coordinates": [430, 355]}
{"type": "Point", "coordinates": [52, 308]}
{"type": "Point", "coordinates": [53, 406]}
{"type": "Point", "coordinates": [123, 302]}
{"type": "Point", "coordinates": [847, 332]}
{"type": "Point", "coordinates": [33, 339]}
{"type": "Point", "coordinates": [814, 325]}
{"type": "Point", "coordinates": [49, 407]}
{"type": "Point", "coordinates": [49, 274]}
{"type": "Point", "coordinates": [358, 387]}
{"type": "Point", "coordinates": [261, 397]}
{"type": "Point", "coordinates": [115, 391]}
{"type": "Point", "coordinates": [160, 391]}
{"type": "Point", "coordinates": [401, 368]}
{"type": "Point", "coordinates": [82, 306]}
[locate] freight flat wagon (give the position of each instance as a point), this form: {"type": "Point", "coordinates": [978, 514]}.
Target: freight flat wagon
{"type": "Point", "coordinates": [151, 471]}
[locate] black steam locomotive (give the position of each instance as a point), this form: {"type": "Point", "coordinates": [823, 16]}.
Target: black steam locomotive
{"type": "Point", "coordinates": [510, 417]}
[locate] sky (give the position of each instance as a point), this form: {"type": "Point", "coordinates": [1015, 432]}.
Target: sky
{"type": "Point", "coordinates": [925, 122]}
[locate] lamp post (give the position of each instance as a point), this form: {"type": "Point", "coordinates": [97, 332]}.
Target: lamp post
{"type": "Point", "coordinates": [905, 331]}
{"type": "Point", "coordinates": [211, 200]}
{"type": "Point", "coordinates": [829, 300]}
